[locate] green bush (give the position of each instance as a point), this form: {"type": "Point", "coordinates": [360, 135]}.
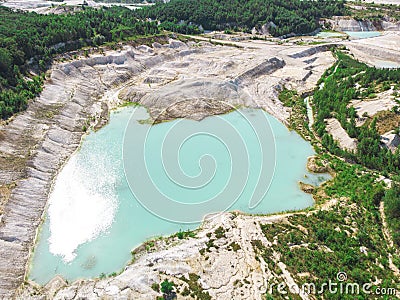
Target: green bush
{"type": "Point", "coordinates": [167, 287]}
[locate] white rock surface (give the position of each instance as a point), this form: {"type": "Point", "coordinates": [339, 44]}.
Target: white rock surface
{"type": "Point", "coordinates": [340, 135]}
{"type": "Point", "coordinates": [390, 140]}
{"type": "Point", "coordinates": [383, 102]}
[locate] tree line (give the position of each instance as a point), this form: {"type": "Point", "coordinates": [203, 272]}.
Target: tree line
{"type": "Point", "coordinates": [29, 41]}
{"type": "Point", "coordinates": [284, 17]}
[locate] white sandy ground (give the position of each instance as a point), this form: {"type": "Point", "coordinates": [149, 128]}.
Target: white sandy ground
{"type": "Point", "coordinates": [383, 102]}
{"type": "Point", "coordinates": [390, 140]}
{"type": "Point", "coordinates": [371, 51]}
{"type": "Point", "coordinates": [388, 40]}
{"type": "Point", "coordinates": [340, 135]}
{"type": "Point", "coordinates": [377, 49]}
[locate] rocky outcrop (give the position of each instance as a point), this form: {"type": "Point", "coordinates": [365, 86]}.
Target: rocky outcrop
{"type": "Point", "coordinates": [316, 166]}
{"type": "Point", "coordinates": [390, 140]}
{"type": "Point", "coordinates": [192, 98]}
{"type": "Point", "coordinates": [306, 188]}
{"type": "Point", "coordinates": [349, 24]}
{"type": "Point", "coordinates": [264, 29]}
{"type": "Point", "coordinates": [390, 26]}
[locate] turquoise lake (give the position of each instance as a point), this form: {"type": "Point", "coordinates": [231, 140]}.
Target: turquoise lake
{"type": "Point", "coordinates": [363, 34]}
{"type": "Point", "coordinates": [93, 219]}
{"type": "Point", "coordinates": [329, 34]}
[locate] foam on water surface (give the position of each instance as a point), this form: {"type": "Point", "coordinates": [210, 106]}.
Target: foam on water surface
{"type": "Point", "coordinates": [82, 205]}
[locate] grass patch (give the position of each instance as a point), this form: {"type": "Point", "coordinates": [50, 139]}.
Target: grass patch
{"type": "Point", "coordinates": [387, 121]}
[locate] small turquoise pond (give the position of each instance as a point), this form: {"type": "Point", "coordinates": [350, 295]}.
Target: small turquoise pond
{"type": "Point", "coordinates": [363, 34]}
{"type": "Point", "coordinates": [329, 34]}
{"type": "Point", "coordinates": [93, 220]}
